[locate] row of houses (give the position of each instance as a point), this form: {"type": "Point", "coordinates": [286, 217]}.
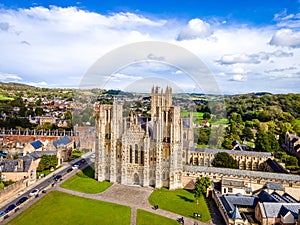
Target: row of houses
{"type": "Point", "coordinates": [270, 205]}
{"type": "Point", "coordinates": [26, 165]}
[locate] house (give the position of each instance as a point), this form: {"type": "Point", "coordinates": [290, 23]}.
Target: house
{"type": "Point", "coordinates": [235, 187]}
{"type": "Point", "coordinates": [236, 209]}
{"type": "Point", "coordinates": [277, 209]}
{"type": "Point", "coordinates": [18, 169]}
{"type": "Point", "coordinates": [64, 147]}
{"type": "Point", "coordinates": [292, 143]}
{"type": "Point", "coordinates": [36, 145]}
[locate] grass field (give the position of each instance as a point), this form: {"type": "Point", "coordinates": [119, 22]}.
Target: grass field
{"type": "Point", "coordinates": [147, 218]}
{"type": "Point", "coordinates": [84, 182]}
{"type": "Point", "coordinates": [60, 208]}
{"type": "Point", "coordinates": [180, 201]}
{"type": "Point", "coordinates": [4, 98]}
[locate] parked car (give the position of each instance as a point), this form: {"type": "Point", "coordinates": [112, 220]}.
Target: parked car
{"type": "Point", "coordinates": [34, 192]}
{"type": "Point", "coordinates": [57, 177]}
{"type": "Point", "coordinates": [2, 213]}
{"type": "Point", "coordinates": [69, 170]}
{"type": "Point", "coordinates": [93, 156]}
{"type": "Point", "coordinates": [82, 161]}
{"type": "Point", "coordinates": [9, 208]}
{"type": "Point", "coordinates": [76, 165]}
{"type": "Point", "coordinates": [21, 200]}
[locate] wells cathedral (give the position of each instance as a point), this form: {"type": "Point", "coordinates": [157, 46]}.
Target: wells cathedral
{"type": "Point", "coordinates": [139, 151]}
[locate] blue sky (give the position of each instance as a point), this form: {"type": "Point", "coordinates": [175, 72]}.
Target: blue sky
{"type": "Point", "coordinates": [249, 46]}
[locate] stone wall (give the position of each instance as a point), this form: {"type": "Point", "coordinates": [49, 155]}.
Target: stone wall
{"type": "Point", "coordinates": [11, 190]}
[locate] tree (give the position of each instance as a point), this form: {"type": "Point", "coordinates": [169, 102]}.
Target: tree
{"type": "Point", "coordinates": [47, 161]}
{"type": "Point", "coordinates": [68, 115]}
{"type": "Point", "coordinates": [248, 134]}
{"type": "Point", "coordinates": [262, 143]}
{"type": "Point", "coordinates": [223, 159]}
{"type": "Point", "coordinates": [206, 116]}
{"type": "Point", "coordinates": [39, 111]}
{"type": "Point", "coordinates": [201, 186]}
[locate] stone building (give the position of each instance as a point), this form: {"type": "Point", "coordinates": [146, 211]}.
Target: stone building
{"type": "Point", "coordinates": [135, 151]}
{"type": "Point", "coordinates": [292, 143]}
{"type": "Point", "coordinates": [247, 160]}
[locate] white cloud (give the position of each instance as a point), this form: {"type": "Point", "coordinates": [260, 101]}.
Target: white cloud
{"type": "Point", "coordinates": [56, 46]}
{"type": "Point", "coordinates": [6, 77]}
{"type": "Point", "coordinates": [196, 28]}
{"type": "Point", "coordinates": [252, 58]}
{"type": "Point", "coordinates": [238, 77]}
{"type": "Point", "coordinates": [118, 77]}
{"type": "Point", "coordinates": [287, 38]}
{"type": "Point", "coordinates": [38, 84]}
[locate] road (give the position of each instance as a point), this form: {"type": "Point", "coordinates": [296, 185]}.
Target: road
{"type": "Point", "coordinates": [45, 184]}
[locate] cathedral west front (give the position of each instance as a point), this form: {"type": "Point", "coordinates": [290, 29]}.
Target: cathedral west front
{"type": "Point", "coordinates": [140, 151]}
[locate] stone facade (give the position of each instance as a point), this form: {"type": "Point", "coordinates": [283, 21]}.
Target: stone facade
{"type": "Point", "coordinates": [247, 160]}
{"type": "Point", "coordinates": [135, 151]}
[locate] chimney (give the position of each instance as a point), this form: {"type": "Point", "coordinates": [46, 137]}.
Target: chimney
{"type": "Point", "coordinates": [20, 165]}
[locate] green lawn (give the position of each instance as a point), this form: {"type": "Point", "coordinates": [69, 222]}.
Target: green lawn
{"type": "Point", "coordinates": [84, 182]}
{"type": "Point", "coordinates": [180, 201]}
{"type": "Point", "coordinates": [61, 208]}
{"type": "Point", "coordinates": [147, 218]}
{"type": "Point", "coordinates": [4, 98]}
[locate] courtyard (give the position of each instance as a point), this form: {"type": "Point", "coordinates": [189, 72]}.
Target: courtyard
{"type": "Point", "coordinates": [129, 203]}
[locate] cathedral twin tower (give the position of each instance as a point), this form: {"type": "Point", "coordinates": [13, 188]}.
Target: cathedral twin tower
{"type": "Point", "coordinates": [135, 151]}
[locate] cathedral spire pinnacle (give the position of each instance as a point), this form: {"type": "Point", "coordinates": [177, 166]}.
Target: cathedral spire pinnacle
{"type": "Point", "coordinates": [131, 117]}
{"type": "Point", "coordinates": [147, 127]}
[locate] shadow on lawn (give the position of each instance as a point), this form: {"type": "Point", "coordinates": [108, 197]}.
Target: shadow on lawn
{"type": "Point", "coordinates": [185, 198]}
{"type": "Point", "coordinates": [87, 173]}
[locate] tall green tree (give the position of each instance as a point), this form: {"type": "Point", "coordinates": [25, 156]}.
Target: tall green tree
{"type": "Point", "coordinates": [223, 159]}
{"type": "Point", "coordinates": [201, 186]}
{"type": "Point", "coordinates": [262, 143]}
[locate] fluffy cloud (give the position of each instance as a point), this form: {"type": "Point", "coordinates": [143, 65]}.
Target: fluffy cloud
{"type": "Point", "coordinates": [287, 38]}
{"type": "Point", "coordinates": [6, 77]}
{"type": "Point", "coordinates": [252, 58]}
{"type": "Point", "coordinates": [56, 46]}
{"type": "Point", "coordinates": [238, 77]}
{"type": "Point", "coordinates": [196, 28]}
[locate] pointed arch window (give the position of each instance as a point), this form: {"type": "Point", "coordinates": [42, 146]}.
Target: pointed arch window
{"type": "Point", "coordinates": [130, 154]}
{"type": "Point", "coordinates": [136, 154]}
{"type": "Point", "coordinates": [142, 155]}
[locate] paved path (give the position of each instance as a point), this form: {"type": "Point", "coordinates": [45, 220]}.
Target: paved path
{"type": "Point", "coordinates": [135, 197]}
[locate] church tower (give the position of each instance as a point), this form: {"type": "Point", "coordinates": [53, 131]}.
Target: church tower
{"type": "Point", "coordinates": [136, 151]}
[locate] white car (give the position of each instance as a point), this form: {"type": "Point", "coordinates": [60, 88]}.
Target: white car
{"type": "Point", "coordinates": [34, 192]}
{"type": "Point", "coordinates": [93, 156]}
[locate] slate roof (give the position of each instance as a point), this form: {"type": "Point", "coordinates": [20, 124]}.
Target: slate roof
{"type": "Point", "coordinates": [277, 209]}
{"type": "Point", "coordinates": [11, 165]}
{"type": "Point", "coordinates": [36, 144]}
{"type": "Point", "coordinates": [232, 202]}
{"type": "Point", "coordinates": [65, 140]}
{"type": "Point", "coordinates": [39, 154]}
{"type": "Point", "coordinates": [274, 186]}
{"type": "Point", "coordinates": [236, 214]}
{"type": "Point", "coordinates": [275, 166]}
{"type": "Point", "coordinates": [234, 183]}
{"type": "Point", "coordinates": [243, 173]}
{"type": "Point", "coordinates": [266, 197]}
{"type": "Point", "coordinates": [215, 151]}
{"type": "Point", "coordinates": [289, 198]}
